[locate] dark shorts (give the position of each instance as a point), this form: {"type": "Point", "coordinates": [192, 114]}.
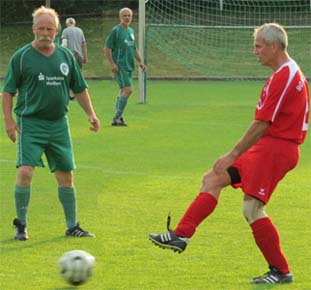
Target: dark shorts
{"type": "Point", "coordinates": [263, 166]}
{"type": "Point", "coordinates": [78, 58]}
{"type": "Point", "coordinates": [51, 137]}
{"type": "Point", "coordinates": [124, 78]}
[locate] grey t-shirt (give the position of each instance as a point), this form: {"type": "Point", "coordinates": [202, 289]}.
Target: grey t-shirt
{"type": "Point", "coordinates": [75, 38]}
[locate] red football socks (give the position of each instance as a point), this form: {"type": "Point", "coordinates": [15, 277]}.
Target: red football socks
{"type": "Point", "coordinates": [268, 241]}
{"type": "Point", "coordinates": [203, 205]}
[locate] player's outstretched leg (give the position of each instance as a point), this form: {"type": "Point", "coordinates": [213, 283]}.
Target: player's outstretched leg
{"type": "Point", "coordinates": [177, 240]}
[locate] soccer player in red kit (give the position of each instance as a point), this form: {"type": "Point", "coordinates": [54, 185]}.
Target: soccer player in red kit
{"type": "Point", "coordinates": [260, 159]}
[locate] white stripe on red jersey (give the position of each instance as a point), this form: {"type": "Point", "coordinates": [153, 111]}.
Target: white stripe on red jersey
{"type": "Point", "coordinates": [285, 102]}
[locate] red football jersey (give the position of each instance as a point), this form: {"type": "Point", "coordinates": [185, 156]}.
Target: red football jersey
{"type": "Point", "coordinates": [285, 102]}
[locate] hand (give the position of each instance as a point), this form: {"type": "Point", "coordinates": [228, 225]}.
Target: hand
{"type": "Point", "coordinates": [223, 163]}
{"type": "Point", "coordinates": [95, 123]}
{"type": "Point", "coordinates": [143, 66]}
{"type": "Point", "coordinates": [114, 68]}
{"type": "Point", "coordinates": [11, 129]}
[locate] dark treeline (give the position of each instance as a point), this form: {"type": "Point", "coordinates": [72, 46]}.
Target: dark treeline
{"type": "Point", "coordinates": [15, 11]}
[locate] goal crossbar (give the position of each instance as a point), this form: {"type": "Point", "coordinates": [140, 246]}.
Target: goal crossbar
{"type": "Point", "coordinates": [222, 26]}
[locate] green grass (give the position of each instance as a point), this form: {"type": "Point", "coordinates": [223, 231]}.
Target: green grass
{"type": "Point", "coordinates": [128, 179]}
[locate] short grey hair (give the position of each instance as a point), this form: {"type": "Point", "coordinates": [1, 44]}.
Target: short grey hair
{"type": "Point", "coordinates": [70, 20]}
{"type": "Point", "coordinates": [125, 9]}
{"type": "Point", "coordinates": [273, 32]}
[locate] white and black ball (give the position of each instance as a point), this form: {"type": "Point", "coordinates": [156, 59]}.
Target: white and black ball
{"type": "Point", "coordinates": [76, 266]}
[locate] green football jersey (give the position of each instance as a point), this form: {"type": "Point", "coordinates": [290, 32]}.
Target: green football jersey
{"type": "Point", "coordinates": [122, 43]}
{"type": "Point", "coordinates": [43, 83]}
{"type": "Point", "coordinates": [57, 39]}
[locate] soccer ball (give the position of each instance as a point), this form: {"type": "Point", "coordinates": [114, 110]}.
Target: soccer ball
{"type": "Point", "coordinates": [76, 266]}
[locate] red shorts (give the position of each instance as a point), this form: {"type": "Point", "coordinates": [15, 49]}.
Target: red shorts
{"type": "Point", "coordinates": [264, 165]}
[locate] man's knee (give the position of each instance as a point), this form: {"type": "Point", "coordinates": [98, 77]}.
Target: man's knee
{"type": "Point", "coordinates": [208, 180]}
{"type": "Point", "coordinates": [127, 91]}
{"type": "Point", "coordinates": [64, 178]}
{"type": "Point", "coordinates": [253, 209]}
{"type": "Point", "coordinates": [24, 175]}
{"type": "Point", "coordinates": [214, 182]}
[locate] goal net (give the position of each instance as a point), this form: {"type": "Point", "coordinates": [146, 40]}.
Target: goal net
{"type": "Point", "coordinates": [214, 38]}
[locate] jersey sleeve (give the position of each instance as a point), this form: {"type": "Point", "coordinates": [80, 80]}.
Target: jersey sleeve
{"type": "Point", "coordinates": [135, 45]}
{"type": "Point", "coordinates": [110, 40]}
{"type": "Point", "coordinates": [272, 96]}
{"type": "Point", "coordinates": [77, 82]}
{"type": "Point", "coordinates": [64, 34]}
{"type": "Point", "coordinates": [83, 39]}
{"type": "Point", "coordinates": [13, 76]}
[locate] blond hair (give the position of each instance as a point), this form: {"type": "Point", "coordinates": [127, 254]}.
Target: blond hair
{"type": "Point", "coordinates": [45, 10]}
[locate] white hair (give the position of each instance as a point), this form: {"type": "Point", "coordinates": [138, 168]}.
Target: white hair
{"type": "Point", "coordinates": [70, 20]}
{"type": "Point", "coordinates": [273, 32]}
{"type": "Point", "coordinates": [125, 9]}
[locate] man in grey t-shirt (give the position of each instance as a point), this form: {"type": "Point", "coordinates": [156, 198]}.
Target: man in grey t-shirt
{"type": "Point", "coordinates": [73, 38]}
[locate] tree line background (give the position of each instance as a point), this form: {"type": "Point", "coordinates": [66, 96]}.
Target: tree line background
{"type": "Point", "coordinates": [19, 11]}
{"type": "Point", "coordinates": [15, 11]}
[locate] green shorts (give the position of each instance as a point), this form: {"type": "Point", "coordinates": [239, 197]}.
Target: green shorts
{"type": "Point", "coordinates": [51, 137]}
{"type": "Point", "coordinates": [124, 78]}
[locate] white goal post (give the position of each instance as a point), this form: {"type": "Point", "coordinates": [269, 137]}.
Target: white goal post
{"type": "Point", "coordinates": [141, 47]}
{"type": "Point", "coordinates": [212, 39]}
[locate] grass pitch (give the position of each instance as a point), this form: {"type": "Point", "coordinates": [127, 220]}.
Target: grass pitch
{"type": "Point", "coordinates": [128, 179]}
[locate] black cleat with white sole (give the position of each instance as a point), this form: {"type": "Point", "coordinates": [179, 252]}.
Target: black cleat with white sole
{"type": "Point", "coordinates": [78, 232]}
{"type": "Point", "coordinates": [118, 122]}
{"type": "Point", "coordinates": [20, 230]}
{"type": "Point", "coordinates": [274, 276]}
{"type": "Point", "coordinates": [169, 240]}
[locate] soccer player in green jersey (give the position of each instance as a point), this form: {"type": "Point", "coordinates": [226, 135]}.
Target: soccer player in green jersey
{"type": "Point", "coordinates": [120, 50]}
{"type": "Point", "coordinates": [43, 73]}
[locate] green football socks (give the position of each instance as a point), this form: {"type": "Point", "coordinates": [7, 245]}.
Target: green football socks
{"type": "Point", "coordinates": [117, 104]}
{"type": "Point", "coordinates": [22, 197]}
{"type": "Point", "coordinates": [67, 197]}
{"type": "Point", "coordinates": [120, 106]}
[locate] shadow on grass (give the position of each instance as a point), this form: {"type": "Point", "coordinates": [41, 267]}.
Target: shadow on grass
{"type": "Point", "coordinates": [267, 287]}
{"type": "Point", "coordinates": [69, 288]}
{"type": "Point", "coordinates": [66, 288]}
{"type": "Point", "coordinates": [11, 245]}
